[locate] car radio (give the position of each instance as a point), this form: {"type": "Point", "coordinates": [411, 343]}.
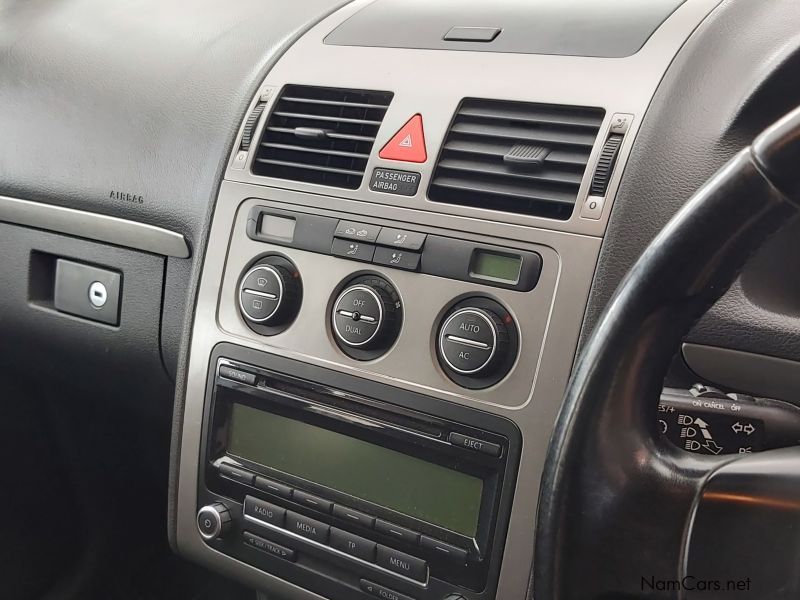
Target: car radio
{"type": "Point", "coordinates": [347, 487]}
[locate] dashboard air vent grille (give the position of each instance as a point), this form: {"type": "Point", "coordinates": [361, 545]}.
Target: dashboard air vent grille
{"type": "Point", "coordinates": [321, 135]}
{"type": "Point", "coordinates": [516, 157]}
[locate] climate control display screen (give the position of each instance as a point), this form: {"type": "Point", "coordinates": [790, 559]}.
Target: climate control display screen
{"type": "Point", "coordinates": [420, 489]}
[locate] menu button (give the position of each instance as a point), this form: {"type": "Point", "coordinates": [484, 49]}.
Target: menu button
{"type": "Point", "coordinates": [402, 563]}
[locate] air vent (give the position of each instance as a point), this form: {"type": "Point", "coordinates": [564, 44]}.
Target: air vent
{"type": "Point", "coordinates": [321, 135]}
{"type": "Point", "coordinates": [516, 157]}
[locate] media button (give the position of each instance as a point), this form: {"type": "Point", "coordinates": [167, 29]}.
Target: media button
{"type": "Point", "coordinates": [402, 563]}
{"type": "Point", "coordinates": [268, 546]}
{"type": "Point", "coordinates": [311, 501]}
{"type": "Point", "coordinates": [381, 591]}
{"type": "Point", "coordinates": [396, 532]}
{"type": "Point", "coordinates": [353, 516]}
{"type": "Point", "coordinates": [308, 528]}
{"type": "Point", "coordinates": [264, 511]}
{"type": "Point", "coordinates": [353, 544]}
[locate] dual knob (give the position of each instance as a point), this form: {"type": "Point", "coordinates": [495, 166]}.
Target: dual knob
{"type": "Point", "coordinates": [366, 317]}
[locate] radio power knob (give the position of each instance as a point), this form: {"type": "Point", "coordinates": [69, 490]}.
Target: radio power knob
{"type": "Point", "coordinates": [366, 316]}
{"type": "Point", "coordinates": [213, 521]}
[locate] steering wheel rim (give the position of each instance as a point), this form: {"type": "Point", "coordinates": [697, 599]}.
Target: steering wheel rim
{"type": "Point", "coordinates": [615, 505]}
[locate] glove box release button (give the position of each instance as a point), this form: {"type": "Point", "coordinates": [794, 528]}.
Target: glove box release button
{"type": "Point", "coordinates": [86, 291]}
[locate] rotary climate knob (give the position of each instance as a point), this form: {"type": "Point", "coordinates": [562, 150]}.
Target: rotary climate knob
{"type": "Point", "coordinates": [477, 343]}
{"type": "Point", "coordinates": [366, 317]}
{"type": "Point", "coordinates": [269, 294]}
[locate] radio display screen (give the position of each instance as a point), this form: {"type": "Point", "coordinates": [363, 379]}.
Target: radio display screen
{"type": "Point", "coordinates": [406, 484]}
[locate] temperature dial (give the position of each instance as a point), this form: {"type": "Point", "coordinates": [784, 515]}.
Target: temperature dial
{"type": "Point", "coordinates": [477, 343]}
{"type": "Point", "coordinates": [269, 295]}
{"type": "Point", "coordinates": [366, 317]}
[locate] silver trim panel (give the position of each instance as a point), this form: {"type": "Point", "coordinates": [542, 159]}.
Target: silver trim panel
{"type": "Point", "coordinates": [549, 317]}
{"type": "Point", "coordinates": [93, 226]}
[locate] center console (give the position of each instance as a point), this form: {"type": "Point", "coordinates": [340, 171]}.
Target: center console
{"type": "Point", "coordinates": [325, 480]}
{"type": "Point", "coordinates": [396, 275]}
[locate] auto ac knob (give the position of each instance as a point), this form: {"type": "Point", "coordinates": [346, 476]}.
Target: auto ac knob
{"type": "Point", "coordinates": [477, 342]}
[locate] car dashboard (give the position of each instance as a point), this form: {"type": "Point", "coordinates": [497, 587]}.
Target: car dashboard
{"type": "Point", "coordinates": [362, 244]}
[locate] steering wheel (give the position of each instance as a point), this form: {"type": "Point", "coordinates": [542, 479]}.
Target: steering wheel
{"type": "Point", "coordinates": [622, 515]}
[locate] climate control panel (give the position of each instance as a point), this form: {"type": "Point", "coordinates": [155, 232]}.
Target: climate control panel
{"type": "Point", "coordinates": [443, 311]}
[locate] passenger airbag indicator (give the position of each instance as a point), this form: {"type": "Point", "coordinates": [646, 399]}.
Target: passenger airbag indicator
{"type": "Point", "coordinates": [392, 181]}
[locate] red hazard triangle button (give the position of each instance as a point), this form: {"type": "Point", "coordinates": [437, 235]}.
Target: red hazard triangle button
{"type": "Point", "coordinates": [408, 144]}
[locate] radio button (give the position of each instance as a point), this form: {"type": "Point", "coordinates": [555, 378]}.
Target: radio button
{"type": "Point", "coordinates": [270, 547]}
{"type": "Point", "coordinates": [353, 516]}
{"type": "Point", "coordinates": [381, 591]}
{"type": "Point", "coordinates": [396, 532]}
{"type": "Point", "coordinates": [236, 474]}
{"type": "Point", "coordinates": [353, 544]}
{"type": "Point", "coordinates": [273, 487]}
{"type": "Point", "coordinates": [264, 511]}
{"type": "Point", "coordinates": [443, 549]}
{"type": "Point", "coordinates": [310, 501]}
{"type": "Point", "coordinates": [402, 563]}
{"type": "Point", "coordinates": [308, 528]}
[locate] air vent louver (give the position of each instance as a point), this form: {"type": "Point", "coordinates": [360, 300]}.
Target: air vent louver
{"type": "Point", "coordinates": [321, 135]}
{"type": "Point", "coordinates": [516, 157]}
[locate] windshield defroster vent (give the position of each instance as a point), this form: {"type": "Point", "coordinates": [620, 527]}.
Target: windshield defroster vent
{"type": "Point", "coordinates": [321, 135]}
{"type": "Point", "coordinates": [516, 157]}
